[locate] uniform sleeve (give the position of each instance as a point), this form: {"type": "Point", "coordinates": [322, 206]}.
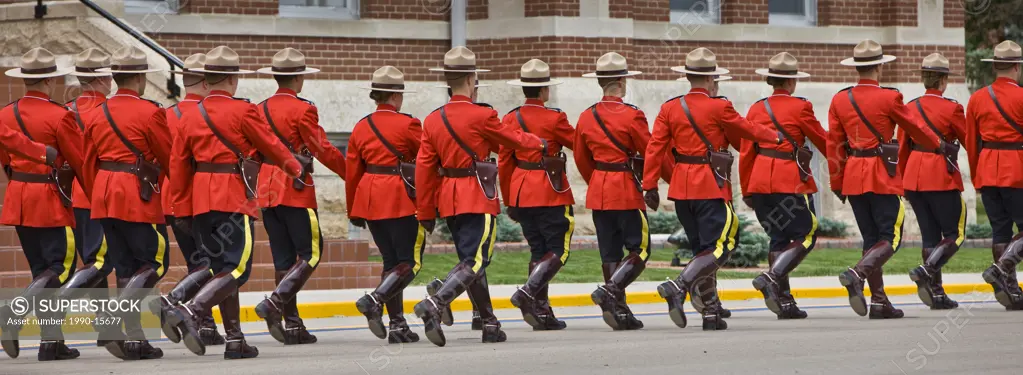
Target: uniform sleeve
{"type": "Point", "coordinates": [581, 153]}
{"type": "Point", "coordinates": [747, 156]}
{"type": "Point", "coordinates": [972, 137]}
{"type": "Point", "coordinates": [837, 142]}
{"type": "Point", "coordinates": [506, 165]}
{"type": "Point", "coordinates": [427, 179]}
{"type": "Point", "coordinates": [16, 143]}
{"type": "Point", "coordinates": [315, 139]}
{"type": "Point", "coordinates": [905, 148]}
{"type": "Point", "coordinates": [812, 129]}
{"type": "Point", "coordinates": [737, 127]}
{"type": "Point", "coordinates": [258, 132]}
{"type": "Point", "coordinates": [564, 133]}
{"type": "Point", "coordinates": [414, 137]}
{"type": "Point", "coordinates": [509, 136]}
{"type": "Point", "coordinates": [181, 172]}
{"type": "Point", "coordinates": [913, 125]}
{"type": "Point", "coordinates": [70, 142]}
{"type": "Point", "coordinates": [656, 149]}
{"type": "Point", "coordinates": [355, 169]}
{"type": "Point", "coordinates": [958, 124]}
{"type": "Point", "coordinates": [159, 139]}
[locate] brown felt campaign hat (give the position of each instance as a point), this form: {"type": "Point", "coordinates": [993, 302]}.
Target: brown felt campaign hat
{"type": "Point", "coordinates": [535, 73]}
{"type": "Point", "coordinates": [612, 65]}
{"type": "Point", "coordinates": [38, 63]}
{"type": "Point", "coordinates": [89, 62]}
{"type": "Point", "coordinates": [702, 62]}
{"type": "Point", "coordinates": [716, 79]}
{"type": "Point", "coordinates": [783, 65]}
{"type": "Point", "coordinates": [389, 79]}
{"type": "Point", "coordinates": [459, 60]}
{"type": "Point", "coordinates": [936, 62]}
{"type": "Point", "coordinates": [867, 53]}
{"type": "Point", "coordinates": [1007, 52]}
{"type": "Point", "coordinates": [222, 60]}
{"type": "Point", "coordinates": [196, 61]}
{"type": "Point", "coordinates": [129, 60]}
{"type": "Point", "coordinates": [288, 62]}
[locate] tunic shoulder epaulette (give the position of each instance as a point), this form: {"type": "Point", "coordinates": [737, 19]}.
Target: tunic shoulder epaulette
{"type": "Point", "coordinates": [675, 98]}
{"type": "Point", "coordinates": [801, 98]}
{"type": "Point", "coordinates": [558, 110]}
{"type": "Point", "coordinates": [513, 110]}
{"type": "Point", "coordinates": [242, 99]}
{"type": "Point", "coordinates": [890, 88]}
{"type": "Point", "coordinates": [722, 97]}
{"type": "Point", "coordinates": [484, 105]}
{"type": "Point", "coordinates": [437, 109]}
{"type": "Point", "coordinates": [310, 102]}
{"type": "Point", "coordinates": [59, 105]}
{"type": "Point", "coordinates": [761, 99]}
{"type": "Point", "coordinates": [631, 105]}
{"type": "Point", "coordinates": [157, 104]}
{"type": "Point", "coordinates": [846, 89]}
{"type": "Point", "coordinates": [406, 114]}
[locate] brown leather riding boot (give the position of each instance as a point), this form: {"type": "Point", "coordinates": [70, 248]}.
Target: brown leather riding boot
{"type": "Point", "coordinates": [236, 347]}
{"type": "Point", "coordinates": [398, 330]}
{"type": "Point", "coordinates": [853, 279]}
{"type": "Point", "coordinates": [272, 309]}
{"type": "Point", "coordinates": [611, 296]}
{"type": "Point", "coordinates": [926, 276]}
{"type": "Point", "coordinates": [1002, 275]}
{"type": "Point", "coordinates": [526, 297]}
{"type": "Point", "coordinates": [188, 317]}
{"type": "Point", "coordinates": [136, 347]}
{"type": "Point", "coordinates": [47, 280]}
{"type": "Point", "coordinates": [552, 323]}
{"type": "Point", "coordinates": [480, 293]}
{"type": "Point", "coordinates": [699, 270]}
{"type": "Point", "coordinates": [429, 309]}
{"type": "Point", "coordinates": [880, 306]}
{"type": "Point", "coordinates": [183, 291]}
{"type": "Point", "coordinates": [56, 350]}
{"type": "Point", "coordinates": [372, 304]}
{"type": "Point", "coordinates": [783, 263]}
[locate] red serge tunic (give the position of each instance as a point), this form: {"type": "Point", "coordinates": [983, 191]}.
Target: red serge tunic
{"type": "Point", "coordinates": [995, 168]}
{"type": "Point", "coordinates": [766, 175]}
{"type": "Point", "coordinates": [927, 171]}
{"type": "Point", "coordinates": [378, 196]}
{"type": "Point", "coordinates": [530, 188]}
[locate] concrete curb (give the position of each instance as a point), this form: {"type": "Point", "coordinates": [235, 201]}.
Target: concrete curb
{"type": "Point", "coordinates": [316, 310]}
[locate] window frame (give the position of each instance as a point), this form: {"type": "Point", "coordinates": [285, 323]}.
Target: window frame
{"type": "Point", "coordinates": [689, 16]}
{"type": "Point", "coordinates": [349, 12]}
{"type": "Point", "coordinates": [151, 6]}
{"type": "Point", "coordinates": [809, 19]}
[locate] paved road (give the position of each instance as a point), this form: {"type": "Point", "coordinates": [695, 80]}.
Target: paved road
{"type": "Point", "coordinates": [978, 338]}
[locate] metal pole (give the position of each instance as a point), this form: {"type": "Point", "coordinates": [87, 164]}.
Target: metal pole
{"type": "Point", "coordinates": [458, 22]}
{"type": "Point", "coordinates": [173, 60]}
{"type": "Point", "coordinates": [40, 9]}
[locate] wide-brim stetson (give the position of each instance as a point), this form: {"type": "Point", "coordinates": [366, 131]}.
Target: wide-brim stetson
{"type": "Point", "coordinates": [718, 79]}
{"type": "Point", "coordinates": [213, 71]}
{"type": "Point", "coordinates": [447, 70]}
{"type": "Point", "coordinates": [852, 61]}
{"type": "Point", "coordinates": [938, 69]}
{"type": "Point", "coordinates": [115, 70]}
{"type": "Point", "coordinates": [402, 90]}
{"type": "Point", "coordinates": [269, 70]}
{"type": "Point", "coordinates": [629, 73]}
{"type": "Point", "coordinates": [94, 73]}
{"type": "Point", "coordinates": [716, 72]}
{"type": "Point", "coordinates": [189, 72]}
{"type": "Point", "coordinates": [551, 82]}
{"type": "Point", "coordinates": [1014, 61]}
{"type": "Point", "coordinates": [768, 73]}
{"type": "Point", "coordinates": [448, 87]}
{"type": "Point", "coordinates": [59, 72]}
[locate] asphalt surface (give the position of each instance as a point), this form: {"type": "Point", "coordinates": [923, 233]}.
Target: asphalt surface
{"type": "Point", "coordinates": [978, 338]}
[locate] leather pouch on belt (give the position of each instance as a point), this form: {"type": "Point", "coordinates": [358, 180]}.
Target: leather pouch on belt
{"type": "Point", "coordinates": [148, 175]}
{"type": "Point", "coordinates": [555, 166]}
{"type": "Point", "coordinates": [407, 171]}
{"type": "Point", "coordinates": [721, 164]}
{"type": "Point", "coordinates": [249, 170]}
{"type": "Point", "coordinates": [636, 163]}
{"type": "Point", "coordinates": [803, 158]}
{"type": "Point", "coordinates": [65, 177]}
{"type": "Point", "coordinates": [950, 150]}
{"type": "Point", "coordinates": [486, 175]}
{"type": "Point", "coordinates": [890, 157]}
{"type": "Point", "coordinates": [306, 161]}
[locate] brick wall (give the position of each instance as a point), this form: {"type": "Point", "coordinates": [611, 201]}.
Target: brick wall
{"type": "Point", "coordinates": [542, 8]}
{"type": "Point", "coordinates": [339, 58]}
{"type": "Point", "coordinates": [746, 12]}
{"type": "Point", "coordinates": [868, 12]}
{"type": "Point", "coordinates": [478, 9]}
{"type": "Point", "coordinates": [432, 10]}
{"type": "Point", "coordinates": [250, 7]}
{"type": "Point", "coordinates": [568, 56]}
{"type": "Point", "coordinates": [955, 15]}
{"type": "Point", "coordinates": [651, 10]}
{"type": "Point", "coordinates": [620, 8]}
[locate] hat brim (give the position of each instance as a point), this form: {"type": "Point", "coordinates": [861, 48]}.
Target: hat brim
{"type": "Point", "coordinates": [518, 82]}
{"type": "Point", "coordinates": [948, 72]}
{"type": "Point", "coordinates": [631, 73]}
{"type": "Point", "coordinates": [1003, 61]}
{"type": "Point", "coordinates": [717, 72]}
{"type": "Point", "coordinates": [442, 70]}
{"type": "Point", "coordinates": [448, 87]}
{"type": "Point", "coordinates": [93, 74]}
{"type": "Point", "coordinates": [16, 73]}
{"type": "Point", "coordinates": [718, 79]}
{"type": "Point", "coordinates": [767, 73]}
{"type": "Point", "coordinates": [852, 61]}
{"type": "Point", "coordinates": [269, 70]}
{"type": "Point", "coordinates": [189, 72]}
{"type": "Point", "coordinates": [387, 90]}
{"type": "Point", "coordinates": [235, 72]}
{"type": "Point", "coordinates": [111, 71]}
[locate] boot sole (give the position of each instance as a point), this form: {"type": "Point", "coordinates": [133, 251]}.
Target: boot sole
{"type": "Point", "coordinates": [375, 322]}
{"type": "Point", "coordinates": [275, 327]}
{"type": "Point", "coordinates": [11, 348]}
{"type": "Point", "coordinates": [923, 290]}
{"type": "Point", "coordinates": [771, 301]}
{"type": "Point", "coordinates": [526, 308]}
{"type": "Point", "coordinates": [1000, 293]}
{"type": "Point", "coordinates": [433, 330]}
{"type": "Point", "coordinates": [192, 341]}
{"type": "Point", "coordinates": [714, 325]}
{"type": "Point", "coordinates": [115, 350]}
{"type": "Point", "coordinates": [446, 317]}
{"type": "Point", "coordinates": [238, 356]}
{"type": "Point", "coordinates": [676, 313]}
{"type": "Point", "coordinates": [170, 331]}
{"type": "Point", "coordinates": [856, 299]}
{"type": "Point", "coordinates": [610, 319]}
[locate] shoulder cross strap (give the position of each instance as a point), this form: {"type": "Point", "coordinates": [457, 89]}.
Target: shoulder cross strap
{"type": "Point", "coordinates": [628, 152]}
{"type": "Point", "coordinates": [21, 123]}
{"type": "Point", "coordinates": [465, 147]}
{"type": "Point", "coordinates": [209, 123]}
{"type": "Point", "coordinates": [696, 128]}
{"type": "Point", "coordinates": [923, 114]}
{"type": "Point", "coordinates": [134, 150]}
{"type": "Point", "coordinates": [770, 113]}
{"type": "Point", "coordinates": [78, 116]}
{"type": "Point", "coordinates": [522, 121]}
{"type": "Point", "coordinates": [864, 118]}
{"type": "Point", "coordinates": [388, 145]}
{"type": "Point", "coordinates": [270, 120]}
{"type": "Point", "coordinates": [990, 91]}
{"type": "Point", "coordinates": [177, 111]}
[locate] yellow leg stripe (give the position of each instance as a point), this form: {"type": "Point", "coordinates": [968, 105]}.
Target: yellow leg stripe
{"type": "Point", "coordinates": [493, 238]}
{"type": "Point", "coordinates": [161, 252]}
{"type": "Point", "coordinates": [479, 250]}
{"type": "Point", "coordinates": [644, 246]}
{"type": "Point", "coordinates": [898, 224]}
{"type": "Point", "coordinates": [247, 252]}
{"type": "Point", "coordinates": [417, 252]}
{"type": "Point", "coordinates": [101, 256]}
{"type": "Point", "coordinates": [962, 223]}
{"type": "Point", "coordinates": [813, 228]}
{"type": "Point", "coordinates": [568, 235]}
{"type": "Point", "coordinates": [69, 254]}
{"type": "Point", "coordinates": [314, 227]}
{"type": "Point", "coordinates": [732, 234]}
{"type": "Point", "coordinates": [719, 248]}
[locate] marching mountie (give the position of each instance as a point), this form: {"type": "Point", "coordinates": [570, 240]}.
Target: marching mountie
{"type": "Point", "coordinates": [994, 144]}
{"type": "Point", "coordinates": [37, 204]}
{"type": "Point", "coordinates": [777, 182]}
{"type": "Point", "coordinates": [863, 160]}
{"type": "Point", "coordinates": [222, 137]}
{"type": "Point", "coordinates": [89, 240]}
{"type": "Point", "coordinates": [932, 182]}
{"type": "Point", "coordinates": [198, 263]}
{"type": "Point", "coordinates": [380, 190]}
{"type": "Point", "coordinates": [610, 139]}
{"type": "Point", "coordinates": [127, 147]}
{"type": "Point", "coordinates": [454, 178]}
{"type": "Point", "coordinates": [698, 129]}
{"type": "Point", "coordinates": [289, 204]}
{"type": "Point", "coordinates": [536, 190]}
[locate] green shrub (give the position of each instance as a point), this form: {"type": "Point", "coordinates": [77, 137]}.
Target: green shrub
{"type": "Point", "coordinates": [828, 227]}
{"type": "Point", "coordinates": [442, 231]}
{"type": "Point", "coordinates": [752, 248]}
{"type": "Point", "coordinates": [663, 222]}
{"type": "Point", "coordinates": [508, 230]}
{"type": "Point", "coordinates": [978, 231]}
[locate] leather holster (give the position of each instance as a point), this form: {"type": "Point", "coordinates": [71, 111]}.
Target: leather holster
{"type": "Point", "coordinates": [249, 170]}
{"type": "Point", "coordinates": [148, 175]}
{"type": "Point", "coordinates": [306, 161]}
{"type": "Point", "coordinates": [555, 167]}
{"type": "Point", "coordinates": [803, 158]}
{"type": "Point", "coordinates": [65, 178]}
{"type": "Point", "coordinates": [721, 164]}
{"type": "Point", "coordinates": [486, 175]}
{"type": "Point", "coordinates": [407, 172]}
{"type": "Point", "coordinates": [890, 157]}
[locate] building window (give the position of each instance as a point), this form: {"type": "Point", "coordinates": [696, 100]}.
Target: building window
{"type": "Point", "coordinates": [334, 9]}
{"type": "Point", "coordinates": [151, 6]}
{"type": "Point", "coordinates": [695, 11]}
{"type": "Point", "coordinates": [339, 140]}
{"type": "Point", "coordinates": [792, 12]}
